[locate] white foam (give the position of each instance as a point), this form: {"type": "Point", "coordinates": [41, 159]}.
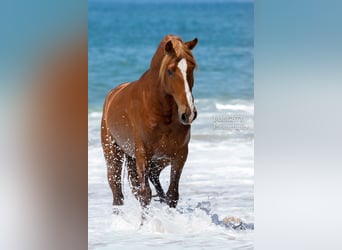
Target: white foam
{"type": "Point", "coordinates": [94, 114]}
{"type": "Point", "coordinates": [236, 107]}
{"type": "Point", "coordinates": [220, 172]}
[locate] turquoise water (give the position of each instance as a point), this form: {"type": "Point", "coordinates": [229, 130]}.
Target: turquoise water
{"type": "Point", "coordinates": [124, 36]}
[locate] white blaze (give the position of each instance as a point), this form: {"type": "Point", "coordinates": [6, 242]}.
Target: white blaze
{"type": "Point", "coordinates": [182, 65]}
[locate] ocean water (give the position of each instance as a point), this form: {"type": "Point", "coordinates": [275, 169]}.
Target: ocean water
{"type": "Point", "coordinates": [217, 181]}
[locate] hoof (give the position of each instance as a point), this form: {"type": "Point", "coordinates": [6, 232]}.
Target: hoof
{"type": "Point", "coordinates": [172, 203]}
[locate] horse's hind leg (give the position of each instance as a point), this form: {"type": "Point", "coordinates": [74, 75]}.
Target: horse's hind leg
{"type": "Point", "coordinates": [114, 168]}
{"type": "Point", "coordinates": [154, 172]}
{"type": "Point", "coordinates": [114, 157]}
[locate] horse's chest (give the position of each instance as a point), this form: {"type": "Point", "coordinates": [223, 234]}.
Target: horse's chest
{"type": "Point", "coordinates": [169, 143]}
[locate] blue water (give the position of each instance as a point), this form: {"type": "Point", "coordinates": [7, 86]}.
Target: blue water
{"type": "Point", "coordinates": [124, 36]}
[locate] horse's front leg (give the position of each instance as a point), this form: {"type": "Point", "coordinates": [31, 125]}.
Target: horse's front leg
{"type": "Point", "coordinates": [144, 190]}
{"type": "Point", "coordinates": [177, 164]}
{"type": "Point", "coordinates": [155, 167]}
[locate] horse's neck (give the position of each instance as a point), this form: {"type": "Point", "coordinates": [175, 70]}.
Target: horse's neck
{"type": "Point", "coordinates": [160, 102]}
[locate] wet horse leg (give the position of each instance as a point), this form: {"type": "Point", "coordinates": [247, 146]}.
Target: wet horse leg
{"type": "Point", "coordinates": [144, 190]}
{"type": "Point", "coordinates": [114, 157]}
{"type": "Point", "coordinates": [177, 164]}
{"type": "Point", "coordinates": [155, 167]}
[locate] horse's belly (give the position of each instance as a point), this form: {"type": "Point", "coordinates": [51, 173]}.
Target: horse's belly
{"type": "Point", "coordinates": [122, 134]}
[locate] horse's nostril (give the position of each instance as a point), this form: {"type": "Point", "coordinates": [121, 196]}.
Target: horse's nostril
{"type": "Point", "coordinates": [184, 118]}
{"type": "Point", "coordinates": [195, 115]}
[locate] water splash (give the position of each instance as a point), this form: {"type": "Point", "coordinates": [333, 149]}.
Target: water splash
{"type": "Point", "coordinates": [183, 220]}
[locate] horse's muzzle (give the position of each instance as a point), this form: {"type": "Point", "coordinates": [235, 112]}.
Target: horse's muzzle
{"type": "Point", "coordinates": [187, 119]}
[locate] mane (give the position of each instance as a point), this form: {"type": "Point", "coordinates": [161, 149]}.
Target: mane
{"type": "Point", "coordinates": [181, 51]}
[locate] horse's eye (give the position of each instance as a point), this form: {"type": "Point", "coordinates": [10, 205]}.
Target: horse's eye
{"type": "Point", "coordinates": [169, 72]}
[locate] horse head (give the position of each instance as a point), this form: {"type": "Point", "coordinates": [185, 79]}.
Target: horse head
{"type": "Point", "coordinates": [176, 73]}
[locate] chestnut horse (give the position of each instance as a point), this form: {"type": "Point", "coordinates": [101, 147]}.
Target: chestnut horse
{"type": "Point", "coordinates": [146, 123]}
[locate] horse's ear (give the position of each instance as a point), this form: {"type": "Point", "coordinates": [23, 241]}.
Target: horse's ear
{"type": "Point", "coordinates": [169, 48]}
{"type": "Point", "coordinates": [191, 44]}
